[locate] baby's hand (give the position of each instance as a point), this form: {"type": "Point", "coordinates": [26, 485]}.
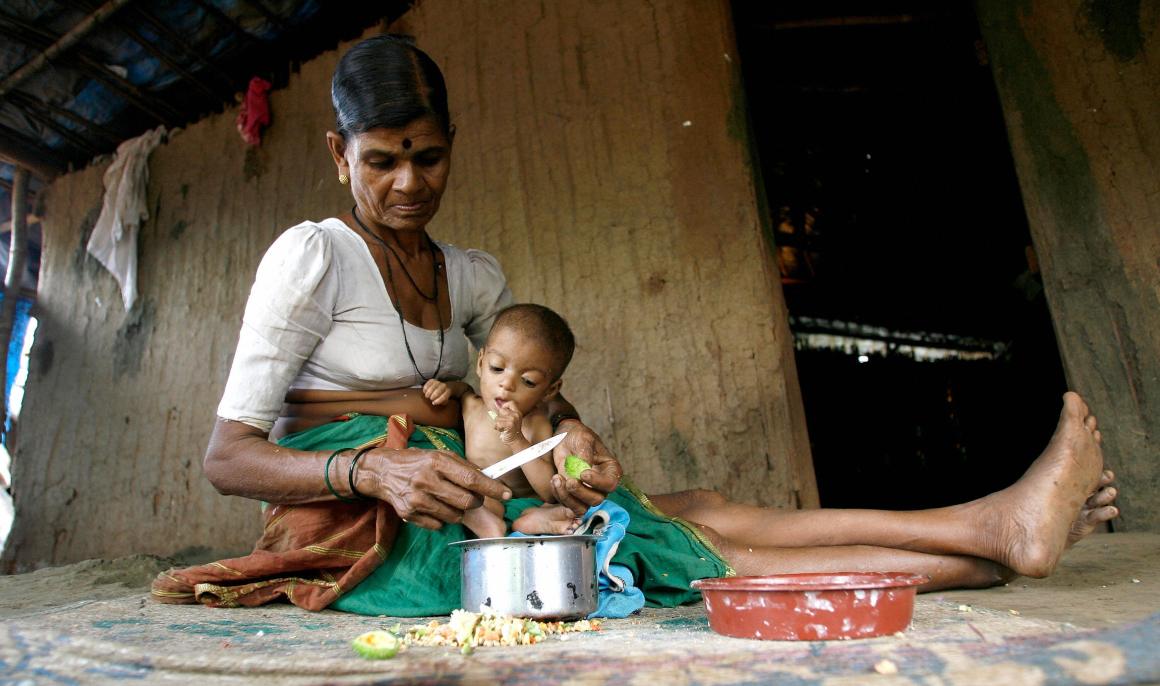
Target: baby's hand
{"type": "Point", "coordinates": [509, 424]}
{"type": "Point", "coordinates": [436, 392]}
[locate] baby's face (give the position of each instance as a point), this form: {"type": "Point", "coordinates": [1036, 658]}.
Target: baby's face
{"type": "Point", "coordinates": [515, 371]}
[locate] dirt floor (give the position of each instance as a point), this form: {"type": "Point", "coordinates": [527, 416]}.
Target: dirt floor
{"type": "Point", "coordinates": [1105, 580]}
{"type": "Point", "coordinates": [1097, 620]}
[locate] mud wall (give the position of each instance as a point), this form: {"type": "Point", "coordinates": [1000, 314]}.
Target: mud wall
{"type": "Point", "coordinates": [1079, 84]}
{"type": "Point", "coordinates": [601, 155]}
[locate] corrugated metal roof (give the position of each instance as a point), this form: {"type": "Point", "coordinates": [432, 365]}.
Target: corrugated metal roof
{"type": "Point", "coordinates": [77, 78]}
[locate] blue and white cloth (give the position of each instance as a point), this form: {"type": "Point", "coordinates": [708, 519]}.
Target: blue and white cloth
{"type": "Point", "coordinates": [618, 596]}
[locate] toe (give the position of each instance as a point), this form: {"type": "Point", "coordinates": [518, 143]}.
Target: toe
{"type": "Point", "coordinates": [1102, 497]}
{"type": "Point", "coordinates": [1090, 422]}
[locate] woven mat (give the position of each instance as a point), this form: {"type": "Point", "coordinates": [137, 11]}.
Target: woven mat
{"type": "Point", "coordinates": [132, 639]}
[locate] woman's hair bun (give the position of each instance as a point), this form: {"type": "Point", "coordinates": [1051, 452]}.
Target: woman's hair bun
{"type": "Point", "coordinates": [387, 82]}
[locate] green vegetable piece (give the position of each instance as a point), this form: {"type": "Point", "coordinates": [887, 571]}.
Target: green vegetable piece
{"type": "Point", "coordinates": [574, 466]}
{"type": "Point", "coordinates": [467, 649]}
{"type": "Point", "coordinates": [376, 645]}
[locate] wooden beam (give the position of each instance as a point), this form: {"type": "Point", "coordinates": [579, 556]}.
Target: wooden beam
{"type": "Point", "coordinates": [173, 64]}
{"type": "Point", "coordinates": [135, 35]}
{"type": "Point", "coordinates": [270, 16]}
{"type": "Point", "coordinates": [212, 10]}
{"type": "Point", "coordinates": [76, 140]}
{"type": "Point", "coordinates": [61, 45]}
{"type": "Point", "coordinates": [27, 101]}
{"type": "Point", "coordinates": [19, 30]}
{"type": "Point", "coordinates": [200, 56]}
{"type": "Point", "coordinates": [154, 107]}
{"type": "Point", "coordinates": [22, 152]}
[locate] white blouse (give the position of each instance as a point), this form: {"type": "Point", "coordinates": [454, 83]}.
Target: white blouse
{"type": "Point", "coordinates": [319, 317]}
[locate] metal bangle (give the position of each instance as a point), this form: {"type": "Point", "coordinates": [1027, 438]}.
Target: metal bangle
{"type": "Point", "coordinates": [350, 474]}
{"type": "Point", "coordinates": [326, 477]}
{"type": "Point", "coordinates": [561, 417]}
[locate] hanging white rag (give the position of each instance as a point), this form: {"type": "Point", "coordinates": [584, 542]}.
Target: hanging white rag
{"type": "Point", "coordinates": [114, 239]}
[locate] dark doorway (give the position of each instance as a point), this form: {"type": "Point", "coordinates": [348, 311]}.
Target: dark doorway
{"type": "Point", "coordinates": [925, 353]}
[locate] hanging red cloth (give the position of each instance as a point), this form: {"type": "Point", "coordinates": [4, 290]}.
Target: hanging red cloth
{"type": "Point", "coordinates": [255, 114]}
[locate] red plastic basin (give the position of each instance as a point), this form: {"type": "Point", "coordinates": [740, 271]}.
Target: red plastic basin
{"type": "Point", "coordinates": [811, 607]}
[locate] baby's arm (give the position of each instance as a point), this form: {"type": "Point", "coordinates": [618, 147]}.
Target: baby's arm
{"type": "Point", "coordinates": [510, 425]}
{"type": "Point", "coordinates": [439, 392]}
{"type": "Point", "coordinates": [515, 430]}
{"type": "Point", "coordinates": [539, 472]}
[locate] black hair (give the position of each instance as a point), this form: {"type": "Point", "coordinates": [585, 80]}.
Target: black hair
{"type": "Point", "coordinates": [544, 326]}
{"type": "Point", "coordinates": [386, 82]}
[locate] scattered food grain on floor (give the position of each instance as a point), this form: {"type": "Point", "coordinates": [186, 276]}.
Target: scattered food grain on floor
{"type": "Point", "coordinates": [886, 667]}
{"type": "Point", "coordinates": [467, 630]}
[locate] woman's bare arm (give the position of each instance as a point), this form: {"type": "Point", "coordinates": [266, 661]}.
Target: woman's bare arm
{"type": "Point", "coordinates": [316, 403]}
{"type": "Point", "coordinates": [595, 483]}
{"type": "Point", "coordinates": [427, 487]}
{"type": "Point", "coordinates": [305, 409]}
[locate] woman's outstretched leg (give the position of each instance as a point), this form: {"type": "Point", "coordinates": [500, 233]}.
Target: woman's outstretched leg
{"type": "Point", "coordinates": [1024, 528]}
{"type": "Point", "coordinates": [749, 524]}
{"type": "Point", "coordinates": [945, 571]}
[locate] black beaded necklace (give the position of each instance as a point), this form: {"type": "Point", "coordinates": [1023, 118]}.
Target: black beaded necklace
{"type": "Point", "coordinates": [397, 303]}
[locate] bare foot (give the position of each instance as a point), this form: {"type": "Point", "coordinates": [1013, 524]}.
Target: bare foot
{"type": "Point", "coordinates": [546, 519]}
{"type": "Point", "coordinates": [484, 523]}
{"type": "Point", "coordinates": [1031, 522]}
{"type": "Point", "coordinates": [1098, 509]}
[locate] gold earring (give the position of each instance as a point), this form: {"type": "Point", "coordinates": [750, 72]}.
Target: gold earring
{"type": "Point", "coordinates": [343, 179]}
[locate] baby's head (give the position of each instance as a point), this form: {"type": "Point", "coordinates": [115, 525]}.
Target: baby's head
{"type": "Point", "coordinates": [525, 356]}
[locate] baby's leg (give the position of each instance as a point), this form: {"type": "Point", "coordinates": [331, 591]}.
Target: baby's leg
{"type": "Point", "coordinates": [546, 519]}
{"type": "Point", "coordinates": [486, 521]}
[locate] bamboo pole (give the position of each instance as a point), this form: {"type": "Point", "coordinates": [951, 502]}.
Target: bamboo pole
{"type": "Point", "coordinates": [17, 252]}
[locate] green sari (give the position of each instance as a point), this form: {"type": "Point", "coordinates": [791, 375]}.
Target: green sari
{"type": "Point", "coordinates": [420, 576]}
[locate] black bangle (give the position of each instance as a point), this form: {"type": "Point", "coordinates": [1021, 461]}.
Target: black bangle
{"type": "Point", "coordinates": [350, 474]}
{"type": "Point", "coordinates": [560, 417]}
{"type": "Point", "coordinates": [326, 476]}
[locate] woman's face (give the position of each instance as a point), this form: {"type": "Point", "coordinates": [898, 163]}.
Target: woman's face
{"type": "Point", "coordinates": [397, 176]}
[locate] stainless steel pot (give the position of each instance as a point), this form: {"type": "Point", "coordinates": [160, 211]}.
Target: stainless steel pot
{"type": "Point", "coordinates": [542, 577]}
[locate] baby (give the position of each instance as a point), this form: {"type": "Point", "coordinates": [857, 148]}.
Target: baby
{"type": "Point", "coordinates": [520, 370]}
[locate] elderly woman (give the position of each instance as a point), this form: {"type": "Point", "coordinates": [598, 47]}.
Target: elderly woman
{"type": "Point", "coordinates": [366, 484]}
{"type": "Point", "coordinates": [350, 315]}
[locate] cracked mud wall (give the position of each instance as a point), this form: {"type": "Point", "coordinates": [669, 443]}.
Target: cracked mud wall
{"type": "Point", "coordinates": [599, 155]}
{"type": "Point", "coordinates": [1080, 86]}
